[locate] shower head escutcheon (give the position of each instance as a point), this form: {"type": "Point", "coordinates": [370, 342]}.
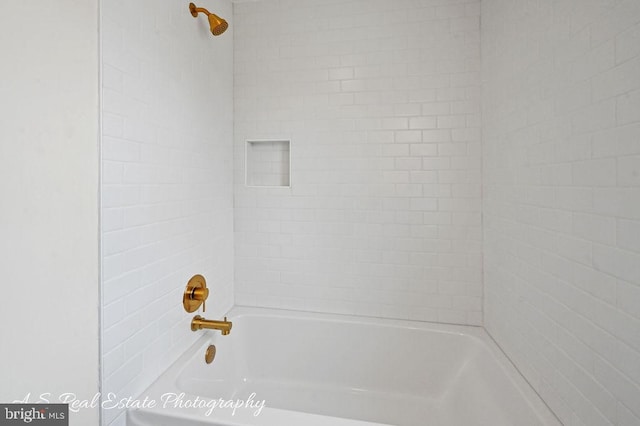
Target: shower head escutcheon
{"type": "Point", "coordinates": [216, 23]}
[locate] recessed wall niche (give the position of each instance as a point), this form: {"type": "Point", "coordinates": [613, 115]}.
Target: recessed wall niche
{"type": "Point", "coordinates": [268, 163]}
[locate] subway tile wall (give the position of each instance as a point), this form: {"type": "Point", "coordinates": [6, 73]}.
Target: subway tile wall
{"type": "Point", "coordinates": [561, 143]}
{"type": "Point", "coordinates": [381, 102]}
{"type": "Point", "coordinates": [167, 192]}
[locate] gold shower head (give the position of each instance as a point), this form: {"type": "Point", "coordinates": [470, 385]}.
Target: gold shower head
{"type": "Point", "coordinates": [216, 23]}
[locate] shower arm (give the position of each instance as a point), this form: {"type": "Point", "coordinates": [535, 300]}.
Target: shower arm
{"type": "Point", "coordinates": [195, 10]}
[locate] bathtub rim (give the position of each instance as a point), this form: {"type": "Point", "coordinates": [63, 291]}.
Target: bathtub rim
{"type": "Point", "coordinates": [477, 334]}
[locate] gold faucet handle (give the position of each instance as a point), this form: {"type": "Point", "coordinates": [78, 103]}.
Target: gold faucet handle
{"type": "Point", "coordinates": [201, 294]}
{"type": "Point", "coordinates": [195, 294]}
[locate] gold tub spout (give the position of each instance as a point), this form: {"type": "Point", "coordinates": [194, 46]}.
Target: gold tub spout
{"type": "Point", "coordinates": [198, 323]}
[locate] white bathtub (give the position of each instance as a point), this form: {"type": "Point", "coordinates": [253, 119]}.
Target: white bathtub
{"type": "Point", "coordinates": [333, 370]}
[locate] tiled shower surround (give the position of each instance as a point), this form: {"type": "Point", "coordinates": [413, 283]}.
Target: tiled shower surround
{"type": "Point", "coordinates": [167, 193]}
{"type": "Point", "coordinates": [561, 144]}
{"type": "Point", "coordinates": [381, 103]}
{"type": "Point", "coordinates": [377, 197]}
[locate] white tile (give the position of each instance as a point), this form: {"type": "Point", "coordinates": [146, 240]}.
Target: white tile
{"type": "Point", "coordinates": [158, 157]}
{"type": "Point", "coordinates": [599, 284]}
{"type": "Point", "coordinates": [436, 108]}
{"type": "Point", "coordinates": [600, 172]}
{"type": "Point", "coordinates": [595, 228]}
{"type": "Point", "coordinates": [628, 296]}
{"type": "Point", "coordinates": [560, 206]}
{"type": "Point", "coordinates": [617, 81]}
{"type": "Point", "coordinates": [628, 108]}
{"type": "Point", "coordinates": [597, 116]}
{"type": "Point", "coordinates": [629, 170]}
{"type": "Point", "coordinates": [618, 141]}
{"type": "Point", "coordinates": [628, 234]}
{"type": "Point", "coordinates": [628, 44]}
{"type": "Point", "coordinates": [627, 417]}
{"type": "Point", "coordinates": [344, 73]}
{"type": "Point", "coordinates": [618, 202]}
{"type": "Point", "coordinates": [423, 123]}
{"type": "Point", "coordinates": [385, 187]}
{"type": "Point", "coordinates": [626, 391]}
{"type": "Point", "coordinates": [620, 263]}
{"type": "Point", "coordinates": [424, 150]}
{"type": "Point", "coordinates": [112, 125]}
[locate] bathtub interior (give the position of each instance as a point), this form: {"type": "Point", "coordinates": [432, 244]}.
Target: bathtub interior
{"type": "Point", "coordinates": [330, 354]}
{"type": "Point", "coordinates": [388, 374]}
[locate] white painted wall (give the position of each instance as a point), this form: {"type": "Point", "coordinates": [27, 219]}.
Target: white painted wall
{"type": "Point", "coordinates": [49, 200]}
{"type": "Point", "coordinates": [381, 103]}
{"type": "Point", "coordinates": [561, 114]}
{"type": "Point", "coordinates": [167, 194]}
